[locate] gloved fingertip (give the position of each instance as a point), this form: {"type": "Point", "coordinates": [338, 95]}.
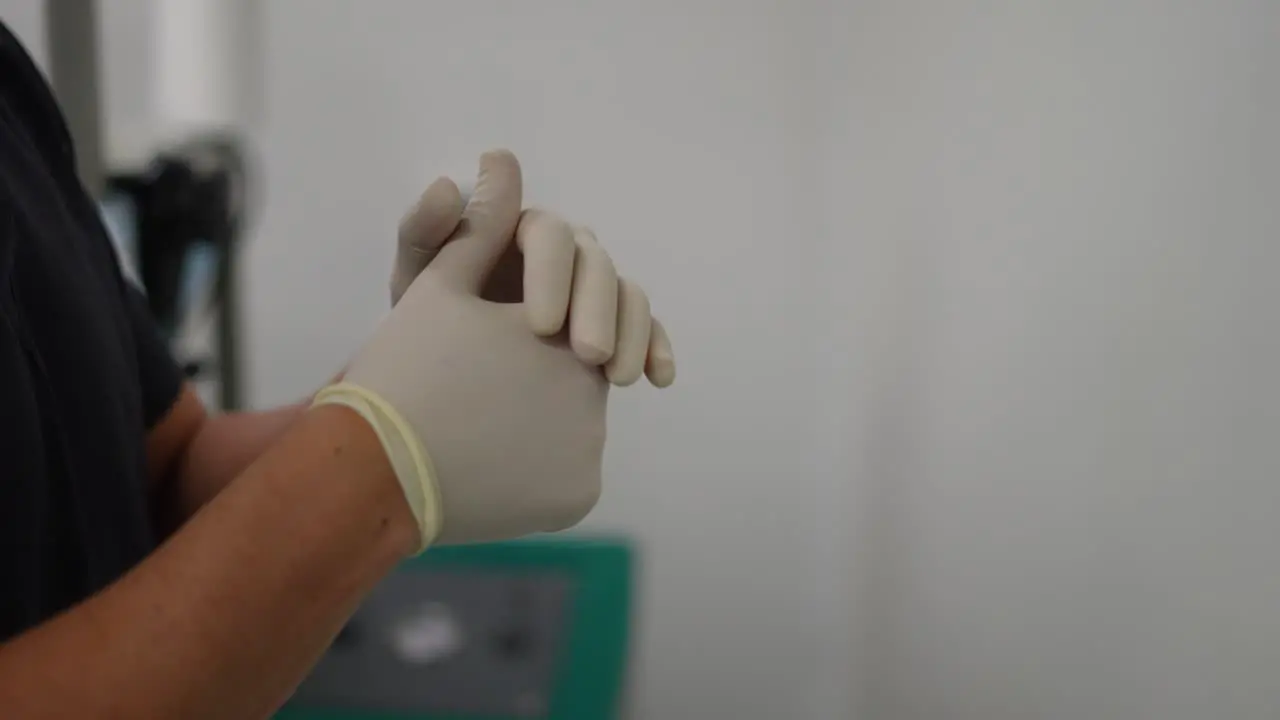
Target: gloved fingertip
{"type": "Point", "coordinates": [661, 371]}
{"type": "Point", "coordinates": [497, 166]}
{"type": "Point", "coordinates": [444, 189]}
{"type": "Point", "coordinates": [433, 218]}
{"type": "Point", "coordinates": [488, 158]}
{"type": "Point", "coordinates": [621, 375]}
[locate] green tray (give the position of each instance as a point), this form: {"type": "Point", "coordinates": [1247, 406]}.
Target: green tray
{"type": "Point", "coordinates": [589, 683]}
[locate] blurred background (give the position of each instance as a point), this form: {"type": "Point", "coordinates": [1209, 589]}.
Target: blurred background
{"type": "Point", "coordinates": [974, 304]}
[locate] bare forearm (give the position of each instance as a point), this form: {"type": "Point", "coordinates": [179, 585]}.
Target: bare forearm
{"type": "Point", "coordinates": [223, 448]}
{"type": "Point", "coordinates": [226, 618]}
{"type": "Point", "coordinates": [216, 450]}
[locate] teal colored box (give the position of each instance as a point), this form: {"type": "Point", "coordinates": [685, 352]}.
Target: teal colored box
{"type": "Point", "coordinates": [590, 681]}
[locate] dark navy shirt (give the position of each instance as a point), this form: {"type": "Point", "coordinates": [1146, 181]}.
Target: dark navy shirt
{"type": "Point", "coordinates": [83, 371]}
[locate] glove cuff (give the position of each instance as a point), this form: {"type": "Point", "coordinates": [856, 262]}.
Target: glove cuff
{"type": "Point", "coordinates": [408, 458]}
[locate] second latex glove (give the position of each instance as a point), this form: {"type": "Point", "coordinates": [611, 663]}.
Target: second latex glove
{"type": "Point", "coordinates": [564, 278]}
{"type": "Point", "coordinates": [493, 432]}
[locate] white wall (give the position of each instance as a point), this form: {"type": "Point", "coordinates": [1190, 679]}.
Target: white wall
{"type": "Point", "coordinates": [164, 69]}
{"type": "Point", "coordinates": [26, 19]}
{"type": "Point", "coordinates": [683, 133]}
{"type": "Point", "coordinates": [1077, 493]}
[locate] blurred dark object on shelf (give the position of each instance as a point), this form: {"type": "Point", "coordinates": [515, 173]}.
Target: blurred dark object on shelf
{"type": "Point", "coordinates": [192, 198]}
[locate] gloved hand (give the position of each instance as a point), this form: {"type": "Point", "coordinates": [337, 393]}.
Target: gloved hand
{"type": "Point", "coordinates": [493, 431]}
{"type": "Point", "coordinates": [563, 276]}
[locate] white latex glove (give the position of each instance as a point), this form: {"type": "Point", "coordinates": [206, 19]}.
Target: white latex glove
{"type": "Point", "coordinates": [563, 276]}
{"type": "Point", "coordinates": [493, 431]}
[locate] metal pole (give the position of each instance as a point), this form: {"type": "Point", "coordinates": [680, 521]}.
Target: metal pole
{"type": "Point", "coordinates": [231, 395]}
{"type": "Point", "coordinates": [71, 28]}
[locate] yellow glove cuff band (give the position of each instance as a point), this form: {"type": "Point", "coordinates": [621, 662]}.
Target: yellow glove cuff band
{"type": "Point", "coordinates": [404, 450]}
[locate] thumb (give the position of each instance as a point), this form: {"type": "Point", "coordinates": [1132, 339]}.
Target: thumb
{"type": "Point", "coordinates": [423, 231]}
{"type": "Point", "coordinates": [488, 224]}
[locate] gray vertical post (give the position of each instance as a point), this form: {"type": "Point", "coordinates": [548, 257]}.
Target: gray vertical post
{"type": "Point", "coordinates": [71, 27]}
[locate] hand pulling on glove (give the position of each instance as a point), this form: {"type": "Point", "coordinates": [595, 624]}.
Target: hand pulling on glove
{"type": "Point", "coordinates": [495, 431]}
{"type": "Point", "coordinates": [565, 279]}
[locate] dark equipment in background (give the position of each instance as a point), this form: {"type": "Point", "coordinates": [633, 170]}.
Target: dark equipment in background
{"type": "Point", "coordinates": [191, 198]}
{"type": "Point", "coordinates": [188, 200]}
{"type": "Point", "coordinates": [535, 629]}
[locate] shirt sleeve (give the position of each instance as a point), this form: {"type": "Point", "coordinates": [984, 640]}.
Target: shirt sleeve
{"type": "Point", "coordinates": [159, 375]}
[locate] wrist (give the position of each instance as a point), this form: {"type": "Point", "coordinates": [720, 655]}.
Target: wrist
{"type": "Point", "coordinates": [402, 448]}
{"type": "Point", "coordinates": [358, 452]}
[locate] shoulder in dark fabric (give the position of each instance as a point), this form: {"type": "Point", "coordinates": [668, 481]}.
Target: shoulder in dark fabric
{"type": "Point", "coordinates": [83, 373]}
